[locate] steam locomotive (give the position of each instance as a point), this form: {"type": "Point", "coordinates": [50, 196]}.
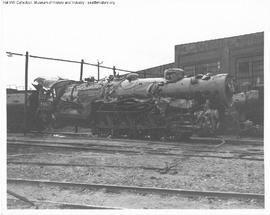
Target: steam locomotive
{"type": "Point", "coordinates": [172, 107]}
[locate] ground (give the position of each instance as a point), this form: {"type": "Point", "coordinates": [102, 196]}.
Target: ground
{"type": "Point", "coordinates": [193, 173]}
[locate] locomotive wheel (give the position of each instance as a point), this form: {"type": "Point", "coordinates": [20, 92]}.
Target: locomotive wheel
{"type": "Point", "coordinates": [156, 135]}
{"type": "Point", "coordinates": [133, 134]}
{"type": "Point", "coordinates": [106, 133]}
{"type": "Point", "coordinates": [101, 132]}
{"type": "Point", "coordinates": [182, 136]}
{"type": "Point", "coordinates": [178, 133]}
{"type": "Point", "coordinates": [116, 133]}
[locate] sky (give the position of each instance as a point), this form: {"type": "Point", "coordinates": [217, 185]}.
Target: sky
{"type": "Point", "coordinates": [132, 35]}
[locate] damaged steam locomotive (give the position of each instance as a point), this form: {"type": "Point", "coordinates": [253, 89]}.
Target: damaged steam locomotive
{"type": "Point", "coordinates": [172, 107]}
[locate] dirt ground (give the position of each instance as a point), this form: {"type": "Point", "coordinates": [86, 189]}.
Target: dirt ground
{"type": "Point", "coordinates": [194, 173]}
{"type": "Point", "coordinates": [127, 200]}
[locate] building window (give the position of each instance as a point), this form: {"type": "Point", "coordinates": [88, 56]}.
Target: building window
{"type": "Point", "coordinates": [203, 68]}
{"type": "Point", "coordinates": [213, 68]}
{"type": "Point", "coordinates": [243, 74]}
{"type": "Point", "coordinates": [189, 70]}
{"type": "Point", "coordinates": [257, 73]}
{"type": "Point", "coordinates": [249, 71]}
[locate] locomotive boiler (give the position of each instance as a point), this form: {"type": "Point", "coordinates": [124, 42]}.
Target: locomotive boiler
{"type": "Point", "coordinates": [173, 107]}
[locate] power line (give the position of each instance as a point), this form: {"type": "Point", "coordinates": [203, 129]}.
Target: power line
{"type": "Point", "coordinates": [10, 54]}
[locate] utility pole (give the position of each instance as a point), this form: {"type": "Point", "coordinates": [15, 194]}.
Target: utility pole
{"type": "Point", "coordinates": [81, 73]}
{"type": "Point", "coordinates": [98, 72]}
{"type": "Point", "coordinates": [114, 71]}
{"type": "Point", "coordinates": [98, 67]}
{"type": "Point", "coordinates": [25, 93]}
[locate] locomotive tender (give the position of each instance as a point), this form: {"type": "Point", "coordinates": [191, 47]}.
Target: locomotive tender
{"type": "Point", "coordinates": [172, 107]}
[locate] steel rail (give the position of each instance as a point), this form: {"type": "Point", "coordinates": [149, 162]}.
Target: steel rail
{"type": "Point", "coordinates": [83, 165]}
{"type": "Point", "coordinates": [66, 205]}
{"type": "Point", "coordinates": [20, 197]}
{"type": "Point", "coordinates": [148, 190]}
{"type": "Point", "coordinates": [184, 148]}
{"type": "Point", "coordinates": [193, 140]}
{"type": "Point", "coordinates": [124, 141]}
{"type": "Point", "coordinates": [55, 145]}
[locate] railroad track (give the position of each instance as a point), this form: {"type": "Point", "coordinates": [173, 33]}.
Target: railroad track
{"type": "Point", "coordinates": [65, 205]}
{"type": "Point", "coordinates": [144, 190]}
{"type": "Point", "coordinates": [192, 140]}
{"type": "Point", "coordinates": [119, 145]}
{"type": "Point", "coordinates": [83, 165]}
{"type": "Point", "coordinates": [132, 150]}
{"type": "Point", "coordinates": [146, 147]}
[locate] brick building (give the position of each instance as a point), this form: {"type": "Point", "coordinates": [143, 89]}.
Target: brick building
{"type": "Point", "coordinates": [241, 56]}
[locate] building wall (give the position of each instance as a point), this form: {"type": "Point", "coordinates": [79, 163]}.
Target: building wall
{"type": "Point", "coordinates": [154, 72]}
{"type": "Point", "coordinates": [241, 56]}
